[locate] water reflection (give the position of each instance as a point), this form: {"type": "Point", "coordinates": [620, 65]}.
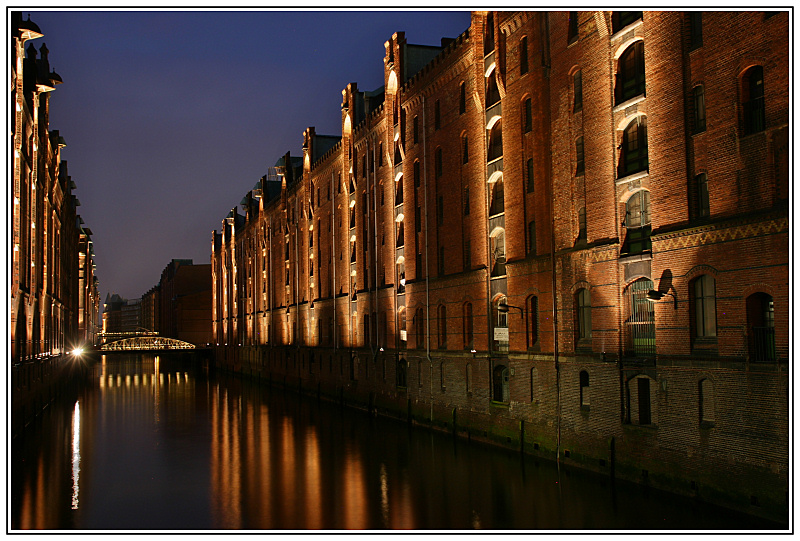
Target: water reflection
{"type": "Point", "coordinates": [154, 443]}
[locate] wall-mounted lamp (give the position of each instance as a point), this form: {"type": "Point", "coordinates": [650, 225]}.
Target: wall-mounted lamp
{"type": "Point", "coordinates": [473, 353]}
{"type": "Point", "coordinates": [503, 308]}
{"type": "Point", "coordinates": [655, 296]}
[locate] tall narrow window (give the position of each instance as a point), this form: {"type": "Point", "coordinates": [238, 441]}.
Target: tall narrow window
{"type": "Point", "coordinates": [695, 30]}
{"type": "Point", "coordinates": [577, 91]}
{"type": "Point", "coordinates": [532, 313]}
{"type": "Point", "coordinates": [492, 91]}
{"type": "Point", "coordinates": [701, 193]}
{"type": "Point", "coordinates": [634, 156]}
{"type": "Point", "coordinates": [462, 99]}
{"type": "Point", "coordinates": [500, 384]}
{"type": "Point", "coordinates": [469, 341]}
{"type": "Point", "coordinates": [532, 237]}
{"type": "Point", "coordinates": [584, 314]}
{"type": "Point", "coordinates": [579, 163]}
{"type": "Point", "coordinates": [527, 121]}
{"type": "Point", "coordinates": [495, 141]}
{"type": "Point", "coordinates": [582, 223]}
{"type": "Point", "coordinates": [498, 246]}
{"type": "Point", "coordinates": [584, 387]}
{"type": "Point", "coordinates": [466, 201]}
{"type": "Point", "coordinates": [464, 149]}
{"type": "Point", "coordinates": [630, 73]}
{"type": "Point", "coordinates": [467, 254]}
{"type": "Point", "coordinates": [416, 129]}
{"type": "Point", "coordinates": [753, 100]}
{"type": "Point", "coordinates": [438, 162]}
{"type": "Point", "coordinates": [488, 35]}
{"type": "Point", "coordinates": [761, 327]}
{"type": "Point", "coordinates": [704, 309]}
{"type": "Point", "coordinates": [699, 109]}
{"type": "Point", "coordinates": [497, 203]}
{"type": "Point", "coordinates": [572, 31]}
{"type": "Point", "coordinates": [529, 171]}
{"type": "Point", "coordinates": [523, 55]}
{"type": "Point", "coordinates": [442, 327]}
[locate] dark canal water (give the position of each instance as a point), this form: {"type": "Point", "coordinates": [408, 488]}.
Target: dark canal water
{"type": "Point", "coordinates": [155, 443]}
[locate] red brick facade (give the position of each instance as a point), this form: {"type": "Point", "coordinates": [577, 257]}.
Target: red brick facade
{"type": "Point", "coordinates": [597, 155]}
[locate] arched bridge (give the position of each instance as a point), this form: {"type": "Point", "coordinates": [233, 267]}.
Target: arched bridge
{"type": "Point", "coordinates": [146, 343]}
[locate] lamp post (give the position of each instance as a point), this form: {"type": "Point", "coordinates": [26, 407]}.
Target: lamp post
{"type": "Point", "coordinates": [655, 296]}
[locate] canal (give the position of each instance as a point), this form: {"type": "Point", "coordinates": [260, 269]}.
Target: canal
{"type": "Point", "coordinates": [159, 443]}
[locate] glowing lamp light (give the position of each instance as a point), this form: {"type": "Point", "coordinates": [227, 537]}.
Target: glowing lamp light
{"type": "Point", "coordinates": [77, 352]}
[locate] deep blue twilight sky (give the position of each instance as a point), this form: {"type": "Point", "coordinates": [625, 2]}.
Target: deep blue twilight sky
{"type": "Point", "coordinates": [170, 117]}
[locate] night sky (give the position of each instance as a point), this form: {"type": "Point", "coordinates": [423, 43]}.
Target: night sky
{"type": "Point", "coordinates": [171, 117]}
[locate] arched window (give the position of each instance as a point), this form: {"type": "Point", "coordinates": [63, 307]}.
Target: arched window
{"type": "Point", "coordinates": [753, 100]}
{"type": "Point", "coordinates": [621, 19]}
{"type": "Point", "coordinates": [401, 276]}
{"type": "Point", "coordinates": [761, 327]}
{"type": "Point", "coordinates": [637, 223]}
{"type": "Point", "coordinates": [577, 91]}
{"type": "Point", "coordinates": [630, 73]}
{"type": "Point", "coordinates": [633, 155]}
{"type": "Point", "coordinates": [498, 246]}
{"type": "Point", "coordinates": [583, 314]}
{"type": "Point", "coordinates": [442, 327]}
{"type": "Point", "coordinates": [704, 307]}
{"type": "Point", "coordinates": [464, 149]}
{"type": "Point", "coordinates": [527, 116]}
{"type": "Point", "coordinates": [584, 388]}
{"type": "Point", "coordinates": [579, 160]}
{"type": "Point", "coordinates": [497, 203]}
{"type": "Point", "coordinates": [400, 235]}
{"type": "Point", "coordinates": [488, 35]}
{"type": "Point", "coordinates": [500, 383]}
{"type": "Point", "coordinates": [532, 324]}
{"type": "Point", "coordinates": [469, 339]}
{"type": "Point", "coordinates": [495, 147]}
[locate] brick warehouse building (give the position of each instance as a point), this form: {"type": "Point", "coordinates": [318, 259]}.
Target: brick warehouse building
{"type": "Point", "coordinates": [633, 163]}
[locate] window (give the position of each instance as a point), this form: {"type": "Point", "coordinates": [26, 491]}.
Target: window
{"type": "Point", "coordinates": [572, 31]}
{"type": "Point", "coordinates": [532, 324]}
{"type": "Point", "coordinates": [579, 163]}
{"type": "Point", "coordinates": [637, 223]}
{"type": "Point", "coordinates": [701, 194]}
{"type": "Point", "coordinates": [706, 389]}
{"type": "Point", "coordinates": [500, 383]}
{"type": "Point", "coordinates": [469, 379]}
{"type": "Point", "coordinates": [400, 235]}
{"type": "Point", "coordinates": [416, 129]}
{"type": "Point", "coordinates": [492, 92]}
{"type": "Point", "coordinates": [761, 327]}
{"type": "Point", "coordinates": [643, 395]}
{"type": "Point", "coordinates": [695, 30]}
{"type": "Point", "coordinates": [704, 307]}
{"type": "Point", "coordinates": [621, 19]}
{"type": "Point", "coordinates": [633, 156]}
{"type": "Point", "coordinates": [495, 141]}
{"type": "Point", "coordinates": [402, 373]}
{"type": "Point", "coordinates": [417, 177]}
{"type": "Point", "coordinates": [523, 55]}
{"type": "Point", "coordinates": [497, 203]}
{"type": "Point", "coordinates": [437, 116]}
{"type": "Point", "coordinates": [699, 109]}
{"type": "Point", "coordinates": [464, 150]}
{"type": "Point", "coordinates": [398, 195]}
{"type": "Point", "coordinates": [582, 223]}
{"type": "Point", "coordinates": [498, 246]}
{"type": "Point", "coordinates": [527, 122]}
{"type": "Point", "coordinates": [532, 237]}
{"type": "Point", "coordinates": [577, 91]}
{"type": "Point", "coordinates": [640, 321]}
{"type": "Point", "coordinates": [442, 327]}
{"type": "Point", "coordinates": [753, 100]}
{"type": "Point", "coordinates": [466, 316]}
{"type": "Point", "coordinates": [630, 73]}
{"type": "Point", "coordinates": [467, 254]}
{"type": "Point", "coordinates": [402, 324]}
{"type": "Point", "coordinates": [462, 99]}
{"type": "Point", "coordinates": [529, 171]}
{"type": "Point", "coordinates": [438, 162]}
{"type": "Point", "coordinates": [583, 314]}
{"type": "Point", "coordinates": [584, 387]}
{"type": "Point", "coordinates": [488, 35]}
{"type": "Point", "coordinates": [439, 210]}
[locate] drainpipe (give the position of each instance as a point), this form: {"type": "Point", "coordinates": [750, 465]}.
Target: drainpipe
{"type": "Point", "coordinates": [333, 258]}
{"type": "Point", "coordinates": [427, 274]}
{"type": "Point", "coordinates": [375, 249]}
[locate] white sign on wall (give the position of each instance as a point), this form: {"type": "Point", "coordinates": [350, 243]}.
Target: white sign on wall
{"type": "Point", "coordinates": [501, 334]}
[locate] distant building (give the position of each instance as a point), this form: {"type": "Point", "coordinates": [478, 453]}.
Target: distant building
{"type": "Point", "coordinates": [150, 309]}
{"type": "Point", "coordinates": [112, 313]}
{"type": "Point", "coordinates": [184, 294]}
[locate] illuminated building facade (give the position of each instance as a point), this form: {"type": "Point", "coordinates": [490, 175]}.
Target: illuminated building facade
{"type": "Point", "coordinates": [566, 232]}
{"type": "Point", "coordinates": [53, 291]}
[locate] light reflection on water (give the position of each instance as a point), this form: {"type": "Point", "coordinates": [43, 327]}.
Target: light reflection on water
{"type": "Point", "coordinates": [156, 445]}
